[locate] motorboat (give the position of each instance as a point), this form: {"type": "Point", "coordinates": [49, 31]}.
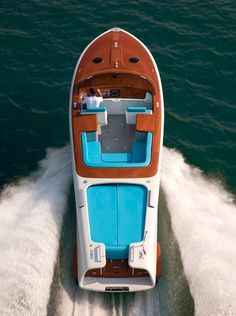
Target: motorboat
{"type": "Point", "coordinates": [116, 154]}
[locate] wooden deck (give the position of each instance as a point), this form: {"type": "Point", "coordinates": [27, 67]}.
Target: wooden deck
{"type": "Point", "coordinates": [133, 80]}
{"type": "Point", "coordinates": [117, 269]}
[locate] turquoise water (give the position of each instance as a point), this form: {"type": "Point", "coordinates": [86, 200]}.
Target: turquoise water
{"type": "Point", "coordinates": [194, 45]}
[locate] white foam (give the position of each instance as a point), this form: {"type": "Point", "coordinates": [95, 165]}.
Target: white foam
{"type": "Point", "coordinates": [204, 222]}
{"type": "Point", "coordinates": [30, 221]}
{"type": "Point", "coordinates": [145, 303]}
{"type": "Point", "coordinates": [139, 304]}
{"type": "Point", "coordinates": [92, 303]}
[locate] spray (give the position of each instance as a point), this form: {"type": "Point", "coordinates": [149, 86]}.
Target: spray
{"type": "Point", "coordinates": [31, 214]}
{"type": "Point", "coordinates": [203, 217]}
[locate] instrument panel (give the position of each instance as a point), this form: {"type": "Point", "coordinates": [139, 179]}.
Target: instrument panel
{"type": "Point", "coordinates": [111, 93]}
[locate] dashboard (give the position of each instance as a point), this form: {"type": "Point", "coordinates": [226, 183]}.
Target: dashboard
{"type": "Point", "coordinates": [111, 93]}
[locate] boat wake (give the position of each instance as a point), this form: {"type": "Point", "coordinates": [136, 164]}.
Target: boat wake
{"type": "Point", "coordinates": [203, 218]}
{"type": "Point", "coordinates": [139, 304]}
{"type": "Point", "coordinates": [31, 214]}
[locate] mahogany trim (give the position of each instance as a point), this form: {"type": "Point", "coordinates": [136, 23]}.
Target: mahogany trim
{"type": "Point", "coordinates": [124, 46]}
{"type": "Point", "coordinates": [117, 269]}
{"type": "Point", "coordinates": [145, 123]}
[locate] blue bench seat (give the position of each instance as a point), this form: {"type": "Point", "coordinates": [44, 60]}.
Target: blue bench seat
{"type": "Point", "coordinates": [93, 109]}
{"type": "Point", "coordinates": [139, 157]}
{"type": "Point", "coordinates": [138, 109]}
{"type": "Point", "coordinates": [116, 157]}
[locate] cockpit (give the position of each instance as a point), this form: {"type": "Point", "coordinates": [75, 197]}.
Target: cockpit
{"type": "Point", "coordinates": [117, 143]}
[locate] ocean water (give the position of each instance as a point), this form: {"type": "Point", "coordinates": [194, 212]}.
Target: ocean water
{"type": "Point", "coordinates": [193, 43]}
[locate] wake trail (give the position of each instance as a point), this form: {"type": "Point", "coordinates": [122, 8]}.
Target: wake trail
{"type": "Point", "coordinates": [139, 304]}
{"type": "Point", "coordinates": [31, 214]}
{"type": "Point", "coordinates": [203, 217]}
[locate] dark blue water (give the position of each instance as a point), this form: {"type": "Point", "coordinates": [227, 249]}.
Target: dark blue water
{"type": "Point", "coordinates": [193, 43]}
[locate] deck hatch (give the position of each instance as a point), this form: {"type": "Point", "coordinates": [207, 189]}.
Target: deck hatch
{"type": "Point", "coordinates": [134, 60]}
{"type": "Point", "coordinates": [97, 60]}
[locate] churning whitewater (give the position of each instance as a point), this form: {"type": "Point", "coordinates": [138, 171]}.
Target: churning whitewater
{"type": "Point", "coordinates": [203, 217]}
{"type": "Point", "coordinates": [31, 215]}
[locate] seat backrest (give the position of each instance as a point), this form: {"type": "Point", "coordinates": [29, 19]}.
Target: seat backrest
{"type": "Point", "coordinates": [113, 106]}
{"type": "Point", "coordinates": [119, 106]}
{"type": "Point", "coordinates": [134, 103]}
{"type": "Point", "coordinates": [131, 113]}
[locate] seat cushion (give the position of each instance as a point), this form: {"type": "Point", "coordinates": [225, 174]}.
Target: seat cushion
{"type": "Point", "coordinates": [117, 157]}
{"type": "Point", "coordinates": [102, 208]}
{"type": "Point", "coordinates": [131, 201]}
{"type": "Point", "coordinates": [117, 216]}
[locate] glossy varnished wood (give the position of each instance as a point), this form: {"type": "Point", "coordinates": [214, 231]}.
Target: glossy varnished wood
{"type": "Point", "coordinates": [116, 269]}
{"type": "Point", "coordinates": [116, 71]}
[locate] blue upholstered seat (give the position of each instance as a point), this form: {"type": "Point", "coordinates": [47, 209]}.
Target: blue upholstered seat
{"type": "Point", "coordinates": [141, 109]}
{"type": "Point", "coordinates": [139, 157]}
{"type": "Point", "coordinates": [94, 109]}
{"type": "Point", "coordinates": [116, 157]}
{"type": "Point", "coordinates": [117, 216]}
